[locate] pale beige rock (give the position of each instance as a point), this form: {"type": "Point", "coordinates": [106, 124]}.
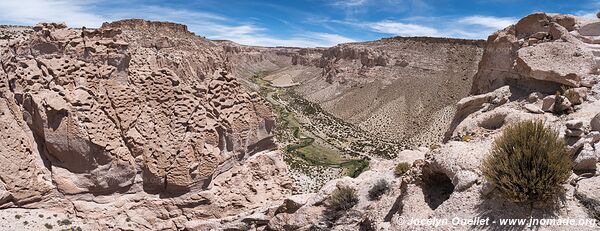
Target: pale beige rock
{"type": "Point", "coordinates": [574, 124]}
{"type": "Point", "coordinates": [553, 57]}
{"type": "Point", "coordinates": [587, 193]}
{"type": "Point", "coordinates": [460, 161]}
{"type": "Point", "coordinates": [533, 109]}
{"type": "Point", "coordinates": [586, 159]}
{"type": "Point", "coordinates": [565, 67]}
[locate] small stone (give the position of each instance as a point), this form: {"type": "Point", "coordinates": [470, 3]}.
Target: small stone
{"type": "Point", "coordinates": [573, 133]}
{"type": "Point", "coordinates": [533, 109]}
{"type": "Point", "coordinates": [465, 179]}
{"type": "Point", "coordinates": [589, 83]}
{"type": "Point", "coordinates": [586, 159]}
{"type": "Point", "coordinates": [539, 35]}
{"type": "Point", "coordinates": [548, 103]}
{"type": "Point", "coordinates": [532, 41]}
{"type": "Point", "coordinates": [486, 188]}
{"type": "Point", "coordinates": [534, 97]}
{"type": "Point", "coordinates": [574, 124]}
{"type": "Point", "coordinates": [577, 95]}
{"type": "Point", "coordinates": [595, 123]}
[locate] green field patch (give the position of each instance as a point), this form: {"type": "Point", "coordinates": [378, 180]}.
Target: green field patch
{"type": "Point", "coordinates": [300, 146]}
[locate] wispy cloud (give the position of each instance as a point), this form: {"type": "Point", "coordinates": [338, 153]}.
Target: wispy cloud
{"type": "Point", "coordinates": [488, 21]}
{"type": "Point", "coordinates": [349, 3]}
{"type": "Point", "coordinates": [402, 29]}
{"type": "Point", "coordinates": [215, 26]}
{"type": "Point", "coordinates": [469, 27]}
{"type": "Point", "coordinates": [77, 13]}
{"type": "Point", "coordinates": [309, 39]}
{"type": "Point", "coordinates": [586, 14]}
{"type": "Point", "coordinates": [29, 12]}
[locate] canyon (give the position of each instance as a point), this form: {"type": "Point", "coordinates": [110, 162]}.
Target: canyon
{"type": "Point", "coordinates": [143, 125]}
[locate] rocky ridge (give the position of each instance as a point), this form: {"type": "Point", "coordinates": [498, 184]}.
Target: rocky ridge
{"type": "Point", "coordinates": [380, 86]}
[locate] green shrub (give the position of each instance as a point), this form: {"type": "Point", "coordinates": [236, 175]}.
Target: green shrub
{"type": "Point", "coordinates": [342, 198]}
{"type": "Point", "coordinates": [401, 168]}
{"type": "Point", "coordinates": [18, 216]}
{"type": "Point", "coordinates": [64, 222]}
{"type": "Point", "coordinates": [48, 226]}
{"type": "Point", "coordinates": [528, 163]}
{"type": "Point", "coordinates": [378, 189]}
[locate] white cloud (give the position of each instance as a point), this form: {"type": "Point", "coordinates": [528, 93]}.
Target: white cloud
{"type": "Point", "coordinates": [349, 3]}
{"type": "Point", "coordinates": [309, 39]}
{"type": "Point", "coordinates": [586, 14]}
{"type": "Point", "coordinates": [30, 12]}
{"type": "Point", "coordinates": [402, 29]}
{"type": "Point", "coordinates": [77, 13]}
{"type": "Point", "coordinates": [488, 21]}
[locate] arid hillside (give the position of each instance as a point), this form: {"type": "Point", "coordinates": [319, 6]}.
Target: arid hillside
{"type": "Point", "coordinates": [396, 89]}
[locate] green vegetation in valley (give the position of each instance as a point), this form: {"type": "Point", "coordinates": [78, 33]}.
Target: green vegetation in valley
{"type": "Point", "coordinates": [300, 144]}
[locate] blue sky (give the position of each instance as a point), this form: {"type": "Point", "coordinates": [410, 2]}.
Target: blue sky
{"type": "Point", "coordinates": [306, 23]}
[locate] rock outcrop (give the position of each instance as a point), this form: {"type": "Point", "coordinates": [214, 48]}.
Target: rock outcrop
{"type": "Point", "coordinates": [130, 110]}
{"type": "Point", "coordinates": [542, 51]}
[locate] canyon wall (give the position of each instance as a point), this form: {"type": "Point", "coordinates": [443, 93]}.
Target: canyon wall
{"type": "Point", "coordinates": [133, 109]}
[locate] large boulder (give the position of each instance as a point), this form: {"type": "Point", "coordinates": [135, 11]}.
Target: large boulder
{"type": "Point", "coordinates": [538, 53]}
{"type": "Point", "coordinates": [587, 192]}
{"type": "Point", "coordinates": [558, 62]}
{"type": "Point", "coordinates": [586, 159]}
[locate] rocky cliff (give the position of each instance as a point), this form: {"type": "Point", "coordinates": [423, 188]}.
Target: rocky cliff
{"type": "Point", "coordinates": [133, 109]}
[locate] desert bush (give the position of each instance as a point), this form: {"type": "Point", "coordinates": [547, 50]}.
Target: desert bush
{"type": "Point", "coordinates": [64, 222]}
{"type": "Point", "coordinates": [378, 189]}
{"type": "Point", "coordinates": [467, 137]}
{"type": "Point", "coordinates": [48, 226]}
{"type": "Point", "coordinates": [528, 163]}
{"type": "Point", "coordinates": [401, 168]}
{"type": "Point", "coordinates": [342, 199]}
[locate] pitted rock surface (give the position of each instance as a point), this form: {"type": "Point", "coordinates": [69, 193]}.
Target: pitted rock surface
{"type": "Point", "coordinates": [132, 107]}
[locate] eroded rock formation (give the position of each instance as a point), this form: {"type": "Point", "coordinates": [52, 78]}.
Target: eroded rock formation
{"type": "Point", "coordinates": [542, 51]}
{"type": "Point", "coordinates": [135, 107]}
